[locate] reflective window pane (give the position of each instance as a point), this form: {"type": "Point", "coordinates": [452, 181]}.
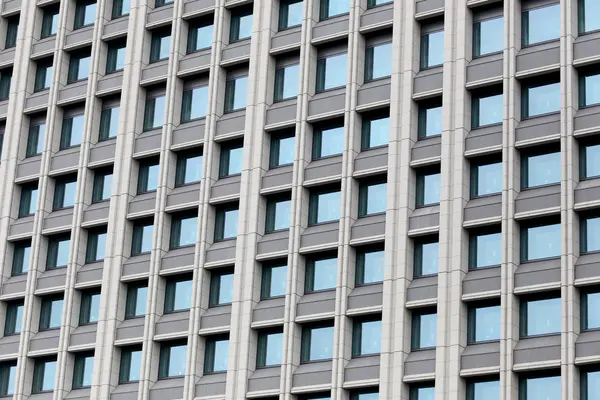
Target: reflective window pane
{"type": "Point", "coordinates": [545, 388]}
{"type": "Point", "coordinates": [332, 72]}
{"type": "Point", "coordinates": [183, 295]}
{"type": "Point", "coordinates": [592, 316]}
{"type": "Point", "coordinates": [375, 132]}
{"type": "Point", "coordinates": [324, 274]}
{"type": "Point", "coordinates": [203, 36]}
{"type": "Point", "coordinates": [591, 88]}
{"type": "Point", "coordinates": [543, 169]}
{"type": "Point", "coordinates": [164, 47]}
{"type": "Point", "coordinates": [372, 268]}
{"type": "Point", "coordinates": [328, 207]}
{"type": "Point", "coordinates": [135, 366]}
{"type": "Point", "coordinates": [423, 393]}
{"type": "Point", "coordinates": [159, 112]}
{"type": "Point", "coordinates": [591, 155]}
{"type": "Point", "coordinates": [62, 252]}
{"type": "Point", "coordinates": [542, 317]}
{"type": "Point", "coordinates": [588, 16]}
{"type": "Point", "coordinates": [485, 390]}
{"type": "Point", "coordinates": [290, 14]}
{"type": "Point", "coordinates": [488, 110]}
{"type": "Point", "coordinates": [425, 331]}
{"type": "Point", "coordinates": [542, 99]}
{"type": "Point", "coordinates": [147, 238]}
{"type": "Point", "coordinates": [282, 214]}
{"type": "Point", "coordinates": [177, 359]}
{"type": "Point", "coordinates": [541, 24]}
{"type": "Point", "coordinates": [426, 258]}
{"type": "Point", "coordinates": [593, 384]}
{"type": "Point", "coordinates": [488, 36]}
{"type": "Point", "coordinates": [56, 310]}
{"type": "Point", "coordinates": [373, 199]}
{"type": "Point", "coordinates": [331, 8]}
{"type": "Point", "coordinates": [330, 142]}
{"type": "Point", "coordinates": [321, 343]}
{"type": "Point", "coordinates": [49, 376]}
{"type": "Point", "coordinates": [542, 242]}
{"type": "Point", "coordinates": [274, 281]}
{"type": "Point", "coordinates": [370, 339]}
{"type": "Point", "coordinates": [286, 82]}
{"type": "Point", "coordinates": [591, 234]}
{"type": "Point", "coordinates": [485, 321]}
{"type": "Point", "coordinates": [486, 179]}
{"type": "Point", "coordinates": [381, 61]}
{"type": "Point", "coordinates": [428, 189]}
{"type": "Point", "coordinates": [199, 102]}
{"type": "Point", "coordinates": [430, 121]}
{"type": "Point", "coordinates": [486, 250]}
{"type": "Point", "coordinates": [273, 348]}
{"type": "Point", "coordinates": [221, 355]}
{"type": "Point", "coordinates": [432, 49]}
{"type": "Point", "coordinates": [282, 150]}
{"type": "Point", "coordinates": [239, 94]}
{"type": "Point", "coordinates": [225, 288]}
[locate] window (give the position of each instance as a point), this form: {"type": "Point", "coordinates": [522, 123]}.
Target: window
{"type": "Point", "coordinates": [488, 36]}
{"type": "Point", "coordinates": [432, 49]}
{"type": "Point", "coordinates": [85, 13]}
{"type": "Point", "coordinates": [183, 230]}
{"type": "Point", "coordinates": [115, 57]}
{"type": "Point", "coordinates": [90, 307]}
{"type": "Point", "coordinates": [375, 130]}
{"type": "Point", "coordinates": [424, 330]}
{"type": "Point", "coordinates": [540, 316]}
{"type": "Point", "coordinates": [370, 264]}
{"type": "Point", "coordinates": [64, 192]}
{"type": "Point", "coordinates": [221, 287]}
{"type": "Point", "coordinates": [96, 245]}
{"type": "Point", "coordinates": [21, 258]}
{"type": "Point", "coordinates": [378, 61]}
{"type": "Point", "coordinates": [35, 140]}
{"type": "Point", "coordinates": [317, 342]}
{"type": "Point", "coordinates": [269, 348]}
{"type": "Point", "coordinates": [324, 206]}
{"type": "Point", "coordinates": [541, 98]}
{"type": "Point", "coordinates": [290, 13]}
{"type": "Point", "coordinates": [131, 364]}
{"type": "Point", "coordinates": [331, 71]}
{"type": "Point", "coordinates": [231, 159]}
{"type": "Point", "coordinates": [590, 234]}
{"type": "Point", "coordinates": [590, 318]}
{"type": "Point", "coordinates": [226, 222]}
{"type": "Point", "coordinates": [422, 392]}
{"type": "Point", "coordinates": [328, 140]}
{"type": "Point", "coordinates": [83, 370]}
{"type": "Point", "coordinates": [178, 294]}
{"type": "Point", "coordinates": [587, 12]}
{"type": "Point", "coordinates": [142, 238]}
{"type": "Point", "coordinates": [71, 132]}
{"type": "Point", "coordinates": [49, 22]}
{"type": "Point", "coordinates": [79, 67]}
{"type": "Point", "coordinates": [109, 123]}
{"type": "Point", "coordinates": [160, 46]}
{"type": "Point", "coordinates": [278, 213]}
{"type": "Point", "coordinates": [483, 323]}
{"type": "Point", "coordinates": [189, 167]}
{"type": "Point", "coordinates": [486, 177]}
{"type": "Point", "coordinates": [426, 257]}
{"type": "Point", "coordinates": [241, 24]}
{"type": "Point", "coordinates": [485, 248]}
{"type": "Point", "coordinates": [154, 113]}
{"type": "Point", "coordinates": [540, 25]}
{"type": "Point", "coordinates": [590, 384]}
{"type": "Point", "coordinates": [44, 375]}
{"type": "Point", "coordinates": [14, 318]}
{"type": "Point", "coordinates": [194, 103]}
{"type": "Point", "coordinates": [540, 168]}
{"type": "Point", "coordinates": [5, 78]}
{"type": "Point", "coordinates": [148, 176]}
{"type": "Point", "coordinates": [51, 313]}
{"type": "Point", "coordinates": [274, 278]}
{"type": "Point", "coordinates": [216, 354]}
{"type": "Point", "coordinates": [365, 394]}
{"type": "Point", "coordinates": [366, 336]}
{"type": "Point", "coordinates": [28, 202]}
{"type": "Point", "coordinates": [483, 389]}
{"type": "Point", "coordinates": [286, 82]}
{"type": "Point", "coordinates": [43, 75]}
{"type": "Point", "coordinates": [487, 109]}
{"type": "Point", "coordinates": [160, 3]}
{"type": "Point", "coordinates": [12, 26]}
{"type": "Point", "coordinates": [172, 360]}
{"type": "Point", "coordinates": [332, 8]}
{"type": "Point", "coordinates": [8, 376]}
{"type": "Point", "coordinates": [430, 119]}
{"type": "Point", "coordinates": [372, 197]}
{"type": "Point", "coordinates": [235, 94]}
{"type": "Point", "coordinates": [102, 185]}
{"type": "Point", "coordinates": [321, 273]}
{"type": "Point", "coordinates": [589, 161]}
{"type": "Point", "coordinates": [58, 252]}
{"type": "Point", "coordinates": [282, 149]}
{"type": "Point", "coordinates": [540, 387]}
{"type": "Point", "coordinates": [137, 294]}
{"type": "Point", "coordinates": [200, 34]}
{"type": "Point", "coordinates": [428, 187]}
{"type": "Point", "coordinates": [540, 241]}
{"type": "Point", "coordinates": [589, 89]}
{"type": "Point", "coordinates": [120, 8]}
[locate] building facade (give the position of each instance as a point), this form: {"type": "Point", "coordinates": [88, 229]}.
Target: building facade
{"type": "Point", "coordinates": [283, 199]}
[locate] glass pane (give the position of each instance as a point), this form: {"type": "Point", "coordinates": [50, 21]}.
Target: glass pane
{"type": "Point", "coordinates": [225, 289]}
{"type": "Point", "coordinates": [12, 375]}
{"type": "Point", "coordinates": [278, 281]}
{"type": "Point", "coordinates": [290, 81]}
{"type": "Point", "coordinates": [101, 247]}
{"type": "Point", "coordinates": [88, 371]}
{"type": "Point", "coordinates": [245, 26]}
{"type": "Point", "coordinates": [18, 318]}
{"type": "Point", "coordinates": [382, 60]}
{"type": "Point", "coordinates": [431, 187]}
{"type": "Point", "coordinates": [54, 28]}
{"type": "Point", "coordinates": [489, 179]}
{"type": "Point", "coordinates": [325, 274]}
{"type": "Point", "coordinates": [56, 309]}
{"type": "Point", "coordinates": [62, 258]}
{"type": "Point", "coordinates": [332, 141]}
{"type": "Point", "coordinates": [335, 68]}
{"type": "Point", "coordinates": [593, 316]}
{"type": "Point", "coordinates": [235, 160]}
{"type": "Point", "coordinates": [76, 130]}
{"type": "Point", "coordinates": [336, 7]}
{"type": "Point", "coordinates": [239, 95]}
{"type": "Point", "coordinates": [428, 330]}
{"type": "Point", "coordinates": [165, 47]}
{"type": "Point", "coordinates": [84, 68]}
{"type": "Point", "coordinates": [286, 150]}
{"type": "Point", "coordinates": [89, 14]}
{"type": "Point", "coordinates": [489, 390]}
{"type": "Point", "coordinates": [592, 87]}
{"type": "Point", "coordinates": [199, 102]}
{"type": "Point", "coordinates": [543, 24]}
{"type": "Point", "coordinates": [159, 112]}
{"type": "Point", "coordinates": [189, 226]}
{"type": "Point", "coordinates": [41, 138]}
{"type": "Point", "coordinates": [221, 355]}
{"type": "Point", "coordinates": [487, 323]}
{"type": "Point", "coordinates": [433, 122]}
{"type": "Point", "coordinates": [152, 177]}
{"type": "Point", "coordinates": [321, 343]}
{"type": "Point", "coordinates": [135, 366]}
{"type": "Point", "coordinates": [543, 316]}
{"type": "Point", "coordinates": [193, 169]}
{"type": "Point", "coordinates": [120, 59]}
{"type": "Point", "coordinates": [370, 341]}
{"type": "Point", "coordinates": [107, 186]}
{"type": "Point", "coordinates": [593, 383]}
{"type": "Point", "coordinates": [140, 301]}
{"type": "Point", "coordinates": [328, 207]}
{"type": "Point", "coordinates": [183, 295]}
{"type": "Point", "coordinates": [543, 99]}
{"type": "Point", "coordinates": [204, 37]}
{"type": "Point", "coordinates": [435, 49]}
{"type": "Point", "coordinates": [429, 258]}
{"type": "Point", "coordinates": [376, 195]}
{"type": "Point", "coordinates": [427, 393]}
{"type": "Point", "coordinates": [367, 396]}
{"type": "Point", "coordinates": [547, 388]}
{"type": "Point", "coordinates": [70, 192]}
{"type": "Point", "coordinates": [491, 36]}
{"type": "Point", "coordinates": [177, 360]}
{"type": "Point", "coordinates": [591, 22]}
{"type": "Point", "coordinates": [94, 307]}
{"type": "Point", "coordinates": [113, 129]}
{"type": "Point", "coordinates": [274, 349]}
{"type": "Point", "coordinates": [282, 214]}
{"type": "Point", "coordinates": [379, 132]}
{"type": "Point", "coordinates": [374, 266]}
{"type": "Point", "coordinates": [489, 250]}
{"type": "Point", "coordinates": [592, 161]}
{"type": "Point", "coordinates": [294, 14]}
{"type": "Point", "coordinates": [48, 78]}
{"type": "Point", "coordinates": [543, 169]}
{"type": "Point", "coordinates": [490, 110]}
{"type": "Point", "coordinates": [543, 241]}
{"type": "Point", "coordinates": [49, 375]}
{"type": "Point", "coordinates": [26, 259]}
{"type": "Point", "coordinates": [230, 226]}
{"type": "Point", "coordinates": [147, 238]}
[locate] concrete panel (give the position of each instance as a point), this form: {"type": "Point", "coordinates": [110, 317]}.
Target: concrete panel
{"type": "Point", "coordinates": [277, 177]}
{"type": "Point", "coordinates": [372, 225]}
{"type": "Point", "coordinates": [588, 344]}
{"type": "Point", "coordinates": [148, 141]}
{"type": "Point", "coordinates": [425, 6]}
{"type": "Point", "coordinates": [420, 362]}
{"type": "Point", "coordinates": [485, 68]}
{"type": "Point", "coordinates": [96, 212]}
{"type": "Point", "coordinates": [317, 373]}
{"type": "Point", "coordinates": [192, 131]}
{"type": "Point", "coordinates": [287, 38]}
{"type": "Point", "coordinates": [538, 128]}
{"type": "Point", "coordinates": [29, 167]}
{"type": "Point", "coordinates": [83, 393]}
{"type": "Point", "coordinates": [538, 272]}
{"type": "Point", "coordinates": [422, 288]}
{"type": "Point", "coordinates": [177, 258]}
{"type": "Point", "coordinates": [264, 379]}
{"type": "Point", "coordinates": [269, 309]}
{"type": "Point", "coordinates": [587, 266]}
{"type": "Point", "coordinates": [9, 344]}
{"type": "Point", "coordinates": [371, 159]}
{"type": "Point", "coordinates": [59, 219]}
{"type": "Point", "coordinates": [226, 187]}
{"type": "Point", "coordinates": [90, 272]}
{"type": "Point", "coordinates": [167, 389]}
{"type": "Point", "coordinates": [212, 385]}
{"type": "Point", "coordinates": [137, 265]}
{"type": "Point", "coordinates": [80, 37]}
{"type": "Point", "coordinates": [103, 151]}
{"type": "Point", "coordinates": [331, 101]}
{"type": "Point", "coordinates": [362, 368]}
{"type": "Point", "coordinates": [173, 323]}
{"type": "Point", "coordinates": [111, 82]}
{"type": "Point", "coordinates": [160, 14]}
{"type": "Point", "coordinates": [538, 198]}
{"type": "Point", "coordinates": [65, 159]}
{"type": "Point", "coordinates": [426, 148]}
{"type": "Point", "coordinates": [43, 47]}
{"type": "Point", "coordinates": [11, 6]}
{"type": "Point", "coordinates": [323, 168]}
{"type": "Point", "coordinates": [425, 217]}
{"type": "Point", "coordinates": [316, 303]}
{"type": "Point", "coordinates": [538, 56]}
{"type": "Point", "coordinates": [483, 207]}
{"type": "Point", "coordinates": [216, 317]}
{"type": "Point", "coordinates": [116, 27]}
{"type": "Point", "coordinates": [15, 284]}
{"type": "Point", "coordinates": [282, 112]}
{"type": "Point", "coordinates": [236, 50]}
{"type": "Point", "coordinates": [7, 56]}
{"type": "Point", "coordinates": [195, 61]}
{"type": "Point", "coordinates": [231, 123]}
{"type": "Point", "coordinates": [197, 6]}
{"type": "Point", "coordinates": [336, 26]}
{"type": "Point", "coordinates": [327, 233]}
{"type": "Point", "coordinates": [273, 242]}
{"type": "Point", "coordinates": [366, 296]}
{"type": "Point", "coordinates": [481, 280]}
{"type": "Point", "coordinates": [184, 195]}
{"type": "Point", "coordinates": [37, 100]}
{"type": "Point", "coordinates": [54, 278]}
{"type": "Point", "coordinates": [588, 190]}
{"type": "Point", "coordinates": [481, 138]}
{"type": "Point", "coordinates": [586, 46]}
{"type": "Point", "coordinates": [481, 355]}
{"type": "Point", "coordinates": [82, 335]}
{"type": "Point", "coordinates": [221, 251]}
{"type": "Point", "coordinates": [428, 80]}
{"type": "Point", "coordinates": [537, 349]}
{"type": "Point", "coordinates": [45, 340]}
{"type": "Point", "coordinates": [588, 119]}
{"type": "Point", "coordinates": [131, 329]}
{"type": "Point", "coordinates": [374, 92]}
{"type": "Point", "coordinates": [156, 71]}
{"type": "Point", "coordinates": [22, 226]}
{"type": "Point", "coordinates": [128, 391]}
{"type": "Point", "coordinates": [376, 16]}
{"type": "Point", "coordinates": [3, 108]}
{"type": "Point", "coordinates": [73, 91]}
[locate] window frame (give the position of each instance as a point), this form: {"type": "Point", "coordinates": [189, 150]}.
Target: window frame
{"type": "Point", "coordinates": [525, 27]}
{"type": "Point", "coordinates": [421, 173]}
{"type": "Point", "coordinates": [262, 348]}
{"type": "Point", "coordinates": [19, 250]}
{"type": "Point", "coordinates": [415, 328]}
{"type": "Point", "coordinates": [317, 139]}
{"type": "Point", "coordinates": [171, 293]}
{"type": "Point", "coordinates": [309, 271]}
{"type": "Point", "coordinates": [10, 318]}
{"type": "Point", "coordinates": [74, 66]}
{"type": "Point", "coordinates": [472, 320]}
{"type": "Point", "coordinates": [52, 252]}
{"type": "Point", "coordinates": [58, 200]}
{"type": "Point", "coordinates": [275, 148]}
{"type": "Point", "coordinates": [210, 353]}
{"type": "Point", "coordinates": [541, 374]}
{"type": "Point", "coordinates": [424, 49]}
{"type": "Point", "coordinates": [187, 104]}
{"type": "Point", "coordinates": [526, 155]}
{"type": "Point", "coordinates": [583, 74]}
{"type": "Point", "coordinates": [115, 12]}
{"type": "Point", "coordinates": [225, 158]}
{"type": "Point", "coordinates": [48, 14]}
{"type": "Point", "coordinates": [365, 133]}
{"type": "Point", "coordinates": [476, 53]}
{"type": "Point", "coordinates": [12, 28]}
{"type": "Point", "coordinates": [357, 334]}
{"type": "Point", "coordinates": [144, 175]}
{"type": "Point", "coordinates": [176, 226]}
{"type": "Point", "coordinates": [38, 374]}
{"type": "Point", "coordinates": [46, 312]}
{"type": "Point", "coordinates": [193, 27]}
{"type": "Point", "coordinates": [181, 167]}
{"type": "Point", "coordinates": [363, 195]}
{"type": "Point", "coordinates": [5, 372]}
{"type": "Point", "coordinates": [28, 190]}
{"type": "Point", "coordinates": [324, 11]}
{"type": "Point", "coordinates": [131, 299]}
{"type": "Point", "coordinates": [33, 139]}
{"type": "Point", "coordinates": [279, 83]}
{"type": "Point", "coordinates": [230, 89]}
{"type": "Point", "coordinates": [306, 339]}
{"type": "Point", "coordinates": [524, 238]}
{"type": "Point", "coordinates": [42, 66]}
{"type": "Point", "coordinates": [215, 286]}
{"type": "Point", "coordinates": [321, 75]}
{"type": "Point", "coordinates": [532, 84]}
{"type": "Point", "coordinates": [313, 204]}
{"type": "Point", "coordinates": [165, 358]}
{"type": "Point", "coordinates": [220, 220]}
{"type": "Point", "coordinates": [523, 317]}
{"type": "Point", "coordinates": [98, 185]}
{"type": "Point", "coordinates": [370, 61]}
{"type": "Point", "coordinates": [266, 279]}
{"type": "Point", "coordinates": [359, 275]}
{"type": "Point", "coordinates": [79, 369]}
{"type": "Point", "coordinates": [423, 107]}
{"type": "Point", "coordinates": [112, 56]}
{"type": "Point", "coordinates": [585, 308]}
{"type": "Point", "coordinates": [125, 370]}
{"type": "Point", "coordinates": [472, 382]}
{"type": "Point", "coordinates": [156, 45]}
{"type": "Point", "coordinates": [476, 97]}
{"type": "Point", "coordinates": [150, 112]}
{"type": "Point", "coordinates": [66, 132]}
{"type": "Point", "coordinates": [473, 234]}
{"type": "Point", "coordinates": [234, 23]}
{"type": "Point", "coordinates": [91, 250]}
{"type": "Point", "coordinates": [584, 377]}
{"type": "Point", "coordinates": [284, 6]}
{"type": "Point", "coordinates": [138, 237]}
{"type": "Point", "coordinates": [271, 211]}
{"type": "Point", "coordinates": [418, 244]}
{"type": "Point", "coordinates": [474, 174]}
{"type": "Point", "coordinates": [81, 9]}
